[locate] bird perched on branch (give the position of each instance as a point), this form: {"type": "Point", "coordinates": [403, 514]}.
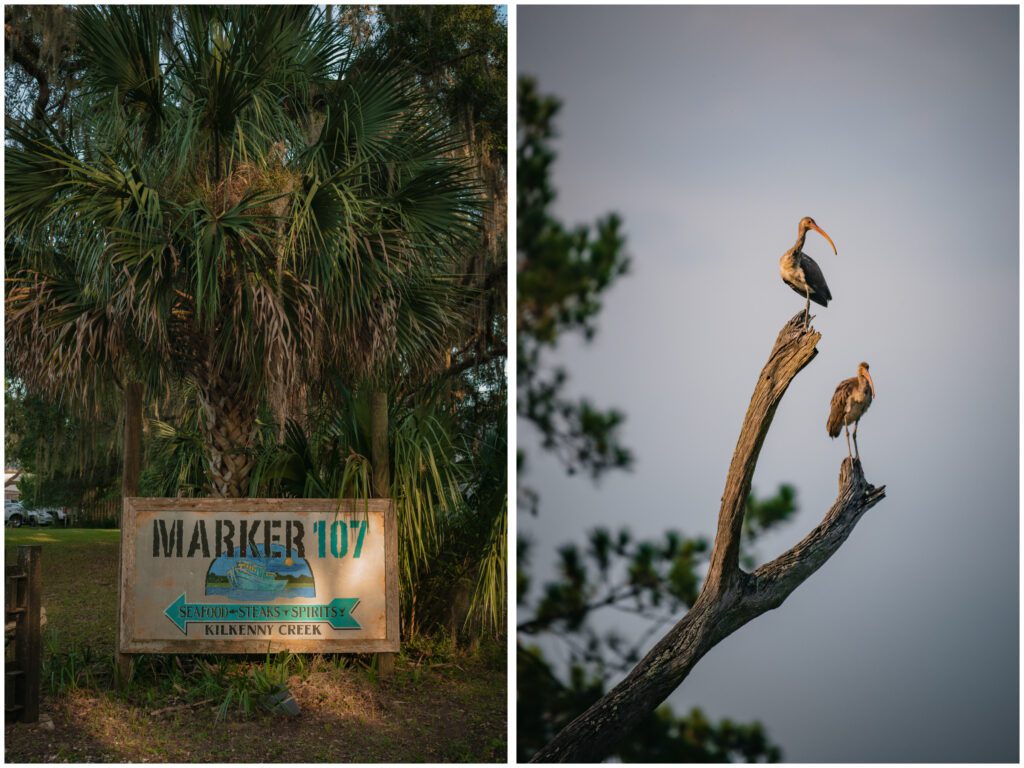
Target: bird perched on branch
{"type": "Point", "coordinates": [802, 273]}
{"type": "Point", "coordinates": [849, 403]}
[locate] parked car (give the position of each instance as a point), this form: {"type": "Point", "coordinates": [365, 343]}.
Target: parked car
{"type": "Point", "coordinates": [15, 515]}
{"type": "Point", "coordinates": [42, 516]}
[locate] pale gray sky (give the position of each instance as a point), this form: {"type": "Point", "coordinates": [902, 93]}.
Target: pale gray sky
{"type": "Point", "coordinates": [712, 130]}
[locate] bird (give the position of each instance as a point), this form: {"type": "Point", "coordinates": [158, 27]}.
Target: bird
{"type": "Point", "coordinates": [802, 273]}
{"type": "Point", "coordinates": [850, 402]}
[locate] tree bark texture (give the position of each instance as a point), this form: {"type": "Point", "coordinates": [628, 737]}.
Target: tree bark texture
{"type": "Point", "coordinates": [230, 427]}
{"type": "Point", "coordinates": [379, 454]}
{"type": "Point", "coordinates": [730, 597]}
{"type": "Point", "coordinates": [131, 467]}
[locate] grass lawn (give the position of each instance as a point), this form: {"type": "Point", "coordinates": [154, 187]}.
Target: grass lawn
{"type": "Point", "coordinates": [442, 706]}
{"type": "Point", "coordinates": [79, 584]}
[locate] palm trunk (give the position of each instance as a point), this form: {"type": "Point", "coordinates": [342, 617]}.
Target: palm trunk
{"type": "Point", "coordinates": [230, 430]}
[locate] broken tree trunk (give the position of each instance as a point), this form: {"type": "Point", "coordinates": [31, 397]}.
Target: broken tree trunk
{"type": "Point", "coordinates": [730, 597]}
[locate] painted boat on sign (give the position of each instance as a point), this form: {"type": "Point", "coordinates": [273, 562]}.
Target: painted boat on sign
{"type": "Point", "coordinates": [249, 575]}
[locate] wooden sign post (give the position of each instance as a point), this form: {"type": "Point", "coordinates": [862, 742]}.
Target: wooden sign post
{"type": "Point", "coordinates": [258, 575]}
{"type": "Point", "coordinates": [23, 592]}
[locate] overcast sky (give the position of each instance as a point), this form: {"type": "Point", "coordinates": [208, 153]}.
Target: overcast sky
{"type": "Point", "coordinates": [712, 130]}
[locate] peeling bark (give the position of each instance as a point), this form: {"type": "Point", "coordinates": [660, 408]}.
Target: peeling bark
{"type": "Point", "coordinates": [730, 597]}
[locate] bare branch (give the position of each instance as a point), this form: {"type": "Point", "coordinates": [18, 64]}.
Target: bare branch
{"type": "Point", "coordinates": [794, 348]}
{"type": "Point", "coordinates": [773, 582]}
{"type": "Point", "coordinates": [730, 598]}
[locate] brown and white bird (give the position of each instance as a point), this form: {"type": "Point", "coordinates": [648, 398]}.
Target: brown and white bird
{"type": "Point", "coordinates": [802, 273]}
{"type": "Point", "coordinates": [852, 399]}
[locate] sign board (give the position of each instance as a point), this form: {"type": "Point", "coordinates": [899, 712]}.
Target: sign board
{"type": "Point", "coordinates": [258, 575]}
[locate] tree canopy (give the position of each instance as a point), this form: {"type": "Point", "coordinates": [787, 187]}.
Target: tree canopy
{"type": "Point", "coordinates": [274, 218]}
{"type": "Point", "coordinates": [246, 204]}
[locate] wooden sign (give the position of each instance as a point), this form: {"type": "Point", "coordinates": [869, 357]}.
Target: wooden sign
{"type": "Point", "coordinates": [258, 575]}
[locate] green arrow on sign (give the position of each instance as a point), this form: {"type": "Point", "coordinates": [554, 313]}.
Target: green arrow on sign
{"type": "Point", "coordinates": [337, 613]}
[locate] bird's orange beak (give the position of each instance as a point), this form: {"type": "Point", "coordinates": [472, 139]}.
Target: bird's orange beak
{"type": "Point", "coordinates": [871, 383]}
{"type": "Point", "coordinates": [824, 234]}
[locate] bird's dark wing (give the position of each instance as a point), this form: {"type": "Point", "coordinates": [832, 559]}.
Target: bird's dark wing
{"type": "Point", "coordinates": [820, 294]}
{"type": "Point", "coordinates": [838, 408]}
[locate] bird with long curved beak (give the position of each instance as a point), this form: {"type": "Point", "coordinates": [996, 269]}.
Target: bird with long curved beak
{"type": "Point", "coordinates": [850, 402]}
{"type": "Point", "coordinates": [802, 273]}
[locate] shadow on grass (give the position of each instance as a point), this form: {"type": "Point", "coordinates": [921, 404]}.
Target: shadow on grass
{"type": "Point", "coordinates": [454, 714]}
{"type": "Point", "coordinates": [441, 707]}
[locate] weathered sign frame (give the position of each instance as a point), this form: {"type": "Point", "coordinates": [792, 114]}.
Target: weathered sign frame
{"type": "Point", "coordinates": [135, 505]}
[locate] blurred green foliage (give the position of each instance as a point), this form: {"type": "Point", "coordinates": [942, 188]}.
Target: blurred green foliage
{"type": "Point", "coordinates": [67, 455]}
{"type": "Point", "coordinates": [563, 275]}
{"type": "Point", "coordinates": [654, 580]}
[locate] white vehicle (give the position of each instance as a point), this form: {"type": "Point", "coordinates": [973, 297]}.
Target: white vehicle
{"type": "Point", "coordinates": [16, 515]}
{"type": "Point", "coordinates": [44, 516]}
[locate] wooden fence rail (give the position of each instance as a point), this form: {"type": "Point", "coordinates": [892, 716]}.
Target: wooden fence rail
{"type": "Point", "coordinates": [22, 602]}
{"type": "Point", "coordinates": [98, 514]}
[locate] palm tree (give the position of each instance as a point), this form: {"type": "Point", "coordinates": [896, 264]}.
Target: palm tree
{"type": "Point", "coordinates": [243, 206]}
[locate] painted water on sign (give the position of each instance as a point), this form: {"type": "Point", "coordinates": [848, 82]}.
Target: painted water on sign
{"type": "Point", "coordinates": [261, 578]}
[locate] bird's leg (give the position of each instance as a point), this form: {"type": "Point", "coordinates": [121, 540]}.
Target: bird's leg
{"type": "Point", "coordinates": [846, 427]}
{"type": "Point", "coordinates": [807, 309]}
{"type": "Point", "coordinates": [855, 447]}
